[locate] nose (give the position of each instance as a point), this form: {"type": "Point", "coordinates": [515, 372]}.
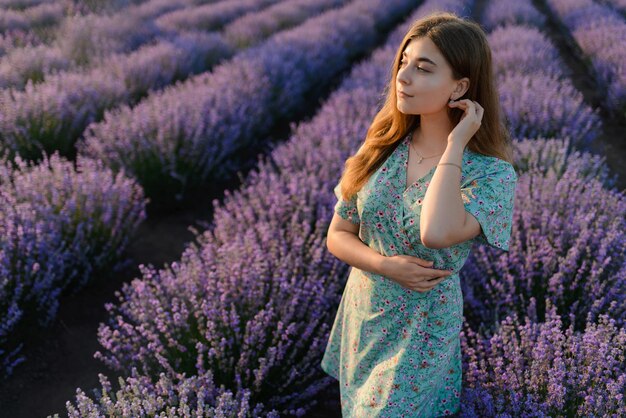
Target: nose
{"type": "Point", "coordinates": [401, 78]}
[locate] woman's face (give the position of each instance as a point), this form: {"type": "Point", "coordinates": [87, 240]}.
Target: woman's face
{"type": "Point", "coordinates": [425, 75]}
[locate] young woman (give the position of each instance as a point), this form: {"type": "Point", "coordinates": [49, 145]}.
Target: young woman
{"type": "Point", "coordinates": [433, 176]}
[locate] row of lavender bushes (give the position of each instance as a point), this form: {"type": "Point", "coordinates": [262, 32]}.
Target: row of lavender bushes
{"type": "Point", "coordinates": [565, 273]}
{"type": "Point", "coordinates": [251, 305]}
{"type": "Point", "coordinates": [35, 124]}
{"type": "Point", "coordinates": [599, 31]}
{"type": "Point", "coordinates": [245, 285]}
{"type": "Point", "coordinates": [96, 230]}
{"type": "Point", "coordinates": [186, 136]}
{"type": "Point", "coordinates": [60, 224]}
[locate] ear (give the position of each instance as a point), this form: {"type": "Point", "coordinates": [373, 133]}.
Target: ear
{"type": "Point", "coordinates": [461, 87]}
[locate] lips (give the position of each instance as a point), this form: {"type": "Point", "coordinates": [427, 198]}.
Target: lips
{"type": "Point", "coordinates": [403, 94]}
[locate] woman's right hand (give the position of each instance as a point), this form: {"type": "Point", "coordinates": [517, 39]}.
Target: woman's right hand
{"type": "Point", "coordinates": [413, 273]}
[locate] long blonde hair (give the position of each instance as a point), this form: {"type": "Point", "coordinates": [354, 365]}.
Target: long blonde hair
{"type": "Point", "coordinates": [465, 47]}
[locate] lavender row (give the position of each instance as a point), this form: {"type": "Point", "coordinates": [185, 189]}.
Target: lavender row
{"type": "Point", "coordinates": [538, 95]}
{"type": "Point", "coordinates": [59, 225]}
{"type": "Point", "coordinates": [253, 303]}
{"type": "Point", "coordinates": [600, 32]}
{"type": "Point", "coordinates": [185, 136]}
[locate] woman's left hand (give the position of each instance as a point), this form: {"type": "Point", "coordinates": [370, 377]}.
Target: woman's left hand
{"type": "Point", "coordinates": [469, 123]}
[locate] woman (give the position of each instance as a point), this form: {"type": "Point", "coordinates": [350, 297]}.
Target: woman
{"type": "Point", "coordinates": [433, 176]}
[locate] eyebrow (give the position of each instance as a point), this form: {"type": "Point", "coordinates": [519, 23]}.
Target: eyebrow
{"type": "Point", "coordinates": [421, 58]}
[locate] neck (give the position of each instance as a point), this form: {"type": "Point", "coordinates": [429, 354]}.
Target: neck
{"type": "Point", "coordinates": [431, 137]}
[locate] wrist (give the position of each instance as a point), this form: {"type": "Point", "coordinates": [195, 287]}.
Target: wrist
{"type": "Point", "coordinates": [382, 265]}
{"type": "Point", "coordinates": [456, 144]}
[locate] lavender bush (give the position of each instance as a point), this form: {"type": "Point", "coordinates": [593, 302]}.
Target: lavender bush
{"type": "Point", "coordinates": [30, 63]}
{"type": "Point", "coordinates": [98, 211]}
{"type": "Point", "coordinates": [33, 259]}
{"type": "Point", "coordinates": [194, 396]}
{"type": "Point", "coordinates": [60, 225]}
{"type": "Point", "coordinates": [543, 370]}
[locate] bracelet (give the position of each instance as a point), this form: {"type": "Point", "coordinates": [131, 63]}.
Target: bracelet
{"type": "Point", "coordinates": [451, 164]}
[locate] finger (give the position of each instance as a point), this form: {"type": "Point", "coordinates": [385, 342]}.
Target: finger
{"type": "Point", "coordinates": [438, 272]}
{"type": "Point", "coordinates": [424, 263]}
{"type": "Point", "coordinates": [462, 103]}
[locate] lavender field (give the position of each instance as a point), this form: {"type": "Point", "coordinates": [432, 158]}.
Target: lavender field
{"type": "Point", "coordinates": [166, 186]}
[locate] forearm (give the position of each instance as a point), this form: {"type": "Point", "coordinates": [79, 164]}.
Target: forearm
{"type": "Point", "coordinates": [443, 210]}
{"type": "Point", "coordinates": [349, 248]}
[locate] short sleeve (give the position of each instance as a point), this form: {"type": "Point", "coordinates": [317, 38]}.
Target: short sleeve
{"type": "Point", "coordinates": [346, 209]}
{"type": "Point", "coordinates": [490, 197]}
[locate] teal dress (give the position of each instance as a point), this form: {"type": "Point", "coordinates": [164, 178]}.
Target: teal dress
{"type": "Point", "coordinates": [396, 352]}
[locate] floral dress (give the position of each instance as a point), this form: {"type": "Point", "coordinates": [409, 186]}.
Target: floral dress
{"type": "Point", "coordinates": [396, 352]}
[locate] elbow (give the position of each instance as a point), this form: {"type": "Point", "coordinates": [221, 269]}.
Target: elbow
{"type": "Point", "coordinates": [433, 241]}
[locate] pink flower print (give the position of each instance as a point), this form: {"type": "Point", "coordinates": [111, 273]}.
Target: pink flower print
{"type": "Point", "coordinates": [419, 201]}
{"type": "Point", "coordinates": [412, 221]}
{"type": "Point", "coordinates": [393, 247]}
{"type": "Point", "coordinates": [384, 170]}
{"type": "Point", "coordinates": [379, 225]}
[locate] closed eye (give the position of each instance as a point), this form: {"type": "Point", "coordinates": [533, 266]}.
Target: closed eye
{"type": "Point", "coordinates": [419, 68]}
